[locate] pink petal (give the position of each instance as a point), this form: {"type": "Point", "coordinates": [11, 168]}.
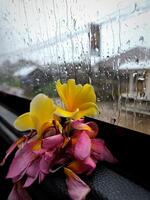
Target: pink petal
{"type": "Point", "coordinates": [21, 161]}
{"type": "Point", "coordinates": [18, 193]}
{"type": "Point", "coordinates": [82, 147]}
{"type": "Point", "coordinates": [90, 165]}
{"type": "Point", "coordinates": [46, 162]}
{"type": "Point", "coordinates": [29, 181]}
{"type": "Point", "coordinates": [91, 128]}
{"type": "Point", "coordinates": [93, 133]}
{"type": "Point", "coordinates": [74, 123]}
{"type": "Point", "coordinates": [39, 152]}
{"type": "Point", "coordinates": [76, 134]}
{"type": "Point", "coordinates": [19, 177]}
{"type": "Point", "coordinates": [79, 167]}
{"type": "Point", "coordinates": [34, 168]}
{"type": "Point", "coordinates": [12, 148]}
{"type": "Point", "coordinates": [80, 125]}
{"type": "Point", "coordinates": [52, 141]}
{"type": "Point", "coordinates": [77, 189]}
{"type": "Point", "coordinates": [41, 177]}
{"type": "Point", "coordinates": [100, 152]}
{"type": "Point", "coordinates": [32, 172]}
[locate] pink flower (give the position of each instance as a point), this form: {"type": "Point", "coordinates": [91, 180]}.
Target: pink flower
{"type": "Point", "coordinates": [35, 159]}
{"type": "Point", "coordinates": [86, 149]}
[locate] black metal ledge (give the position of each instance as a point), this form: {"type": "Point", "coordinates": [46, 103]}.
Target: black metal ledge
{"type": "Point", "coordinates": [128, 180]}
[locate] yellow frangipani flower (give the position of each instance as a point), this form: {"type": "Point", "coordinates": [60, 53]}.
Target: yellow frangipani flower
{"type": "Point", "coordinates": [40, 115]}
{"type": "Point", "coordinates": [78, 100]}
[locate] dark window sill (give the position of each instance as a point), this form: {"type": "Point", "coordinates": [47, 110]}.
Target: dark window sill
{"type": "Point", "coordinates": [128, 180]}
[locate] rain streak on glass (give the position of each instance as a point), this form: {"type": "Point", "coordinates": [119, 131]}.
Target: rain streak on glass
{"type": "Point", "coordinates": [105, 43]}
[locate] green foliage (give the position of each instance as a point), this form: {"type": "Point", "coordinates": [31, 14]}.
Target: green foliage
{"type": "Point", "coordinates": [10, 81]}
{"type": "Point", "coordinates": [47, 88]}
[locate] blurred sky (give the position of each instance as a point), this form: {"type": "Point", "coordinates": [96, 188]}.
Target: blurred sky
{"type": "Point", "coordinates": [24, 23]}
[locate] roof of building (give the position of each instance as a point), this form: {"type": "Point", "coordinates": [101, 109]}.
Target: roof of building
{"type": "Point", "coordinates": [24, 71]}
{"type": "Point", "coordinates": [135, 65]}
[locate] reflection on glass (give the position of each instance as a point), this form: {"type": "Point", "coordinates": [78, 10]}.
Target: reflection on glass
{"type": "Point", "coordinates": [105, 43]}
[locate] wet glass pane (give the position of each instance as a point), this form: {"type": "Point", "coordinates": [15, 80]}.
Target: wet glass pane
{"type": "Point", "coordinates": [105, 43]}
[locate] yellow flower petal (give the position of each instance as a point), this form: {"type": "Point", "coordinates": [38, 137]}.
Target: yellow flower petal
{"type": "Point", "coordinates": [44, 127]}
{"type": "Point", "coordinates": [76, 97]}
{"type": "Point", "coordinates": [61, 89]}
{"type": "Point", "coordinates": [87, 94]}
{"type": "Point", "coordinates": [87, 109]}
{"type": "Point", "coordinates": [63, 113]}
{"type": "Point", "coordinates": [24, 122]}
{"type": "Point", "coordinates": [88, 105]}
{"type": "Point", "coordinates": [41, 109]}
{"type": "Point", "coordinates": [72, 94]}
{"type": "Point", "coordinates": [68, 93]}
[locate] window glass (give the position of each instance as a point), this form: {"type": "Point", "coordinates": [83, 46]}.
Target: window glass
{"type": "Point", "coordinates": [105, 43]}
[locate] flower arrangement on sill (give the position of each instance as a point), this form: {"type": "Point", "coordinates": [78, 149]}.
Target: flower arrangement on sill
{"type": "Point", "coordinates": [51, 145]}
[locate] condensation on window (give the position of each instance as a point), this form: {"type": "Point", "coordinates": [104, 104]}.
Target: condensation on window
{"type": "Point", "coordinates": [105, 43]}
